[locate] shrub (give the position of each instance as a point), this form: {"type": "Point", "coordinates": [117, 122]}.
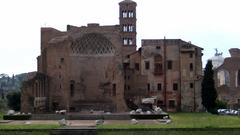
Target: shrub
{"type": "Point", "coordinates": [14, 99]}
{"type": "Point", "coordinates": [221, 104]}
{"type": "Point", "coordinates": [148, 116]}
{"type": "Point", "coordinates": [17, 117]}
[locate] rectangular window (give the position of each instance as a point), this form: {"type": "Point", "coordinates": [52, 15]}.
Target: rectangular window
{"type": "Point", "coordinates": [175, 86]}
{"type": "Point", "coordinates": [148, 87]}
{"type": "Point", "coordinates": [159, 86]}
{"type": "Point", "coordinates": [114, 90]}
{"type": "Point", "coordinates": [125, 41]}
{"type": "Point", "coordinates": [190, 55]}
{"type": "Point", "coordinates": [172, 104]}
{"type": "Point", "coordinates": [158, 47]}
{"type": "Point", "coordinates": [130, 42]}
{"type": "Point", "coordinates": [191, 85]}
{"type": "Point", "coordinates": [147, 65]}
{"type": "Point", "coordinates": [158, 70]}
{"type": "Point", "coordinates": [191, 66]}
{"type": "Point", "coordinates": [129, 87]}
{"type": "Point", "coordinates": [72, 87]}
{"type": "Point", "coordinates": [137, 66]}
{"type": "Point", "coordinates": [169, 64]}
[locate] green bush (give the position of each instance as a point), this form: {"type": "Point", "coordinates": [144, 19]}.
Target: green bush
{"type": "Point", "coordinates": [221, 104]}
{"type": "Point", "coordinates": [14, 99]}
{"type": "Point", "coordinates": [17, 117]}
{"type": "Point", "coordinates": [148, 116]}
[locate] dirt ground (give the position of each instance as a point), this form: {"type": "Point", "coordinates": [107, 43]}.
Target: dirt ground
{"type": "Point", "coordinates": [78, 122]}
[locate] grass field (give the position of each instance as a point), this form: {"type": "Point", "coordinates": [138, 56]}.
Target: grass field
{"type": "Point", "coordinates": [35, 129]}
{"type": "Point", "coordinates": [219, 132]}
{"type": "Point", "coordinates": [44, 132]}
{"type": "Point", "coordinates": [204, 123]}
{"type": "Point", "coordinates": [187, 120]}
{"type": "Point", "coordinates": [17, 129]}
{"type": "Point", "coordinates": [28, 126]}
{"type": "Point", "coordinates": [182, 120]}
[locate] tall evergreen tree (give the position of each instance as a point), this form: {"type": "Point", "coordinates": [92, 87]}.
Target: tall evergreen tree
{"type": "Point", "coordinates": [14, 100]}
{"type": "Point", "coordinates": [209, 93]}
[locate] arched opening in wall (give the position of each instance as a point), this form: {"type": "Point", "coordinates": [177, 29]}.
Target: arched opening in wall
{"type": "Point", "coordinates": [72, 88]}
{"type": "Point", "coordinates": [92, 44]}
{"type": "Point", "coordinates": [238, 78]}
{"type": "Point", "coordinates": [223, 78]}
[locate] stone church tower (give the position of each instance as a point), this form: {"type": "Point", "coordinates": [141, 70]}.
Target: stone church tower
{"type": "Point", "coordinates": [127, 21]}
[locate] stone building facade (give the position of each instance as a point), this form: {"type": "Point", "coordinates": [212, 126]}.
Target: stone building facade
{"type": "Point", "coordinates": [227, 79]}
{"type": "Point", "coordinates": [98, 67]}
{"type": "Point", "coordinates": [171, 72]}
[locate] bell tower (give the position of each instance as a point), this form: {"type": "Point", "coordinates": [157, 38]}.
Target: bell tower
{"type": "Point", "coordinates": [127, 20]}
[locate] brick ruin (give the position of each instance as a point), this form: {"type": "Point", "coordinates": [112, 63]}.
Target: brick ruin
{"type": "Point", "coordinates": [98, 67]}
{"type": "Point", "coordinates": [227, 79]}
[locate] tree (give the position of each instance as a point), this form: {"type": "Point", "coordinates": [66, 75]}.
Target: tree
{"type": "Point", "coordinates": [3, 105]}
{"type": "Point", "coordinates": [209, 93]}
{"type": "Point", "coordinates": [14, 99]}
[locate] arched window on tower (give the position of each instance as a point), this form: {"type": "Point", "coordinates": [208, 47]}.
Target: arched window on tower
{"type": "Point", "coordinates": [131, 28]}
{"type": "Point", "coordinates": [125, 41]}
{"type": "Point", "coordinates": [130, 14]}
{"type": "Point", "coordinates": [130, 41]}
{"type": "Point", "coordinates": [223, 78]}
{"type": "Point", "coordinates": [125, 28]}
{"type": "Point", "coordinates": [124, 14]}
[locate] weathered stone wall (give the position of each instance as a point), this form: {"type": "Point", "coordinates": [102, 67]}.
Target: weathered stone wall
{"type": "Point", "coordinates": [228, 89]}
{"type": "Point", "coordinates": [191, 77]}
{"type": "Point", "coordinates": [174, 61]}
{"type": "Point", "coordinates": [94, 72]}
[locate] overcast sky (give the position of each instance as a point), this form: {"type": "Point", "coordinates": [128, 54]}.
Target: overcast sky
{"type": "Point", "coordinates": [206, 23]}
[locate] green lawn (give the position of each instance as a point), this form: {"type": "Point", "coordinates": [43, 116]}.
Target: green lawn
{"type": "Point", "coordinates": [187, 120]}
{"type": "Point", "coordinates": [182, 120]}
{"type": "Point", "coordinates": [22, 129]}
{"type": "Point", "coordinates": [44, 132]}
{"type": "Point", "coordinates": [36, 129]}
{"type": "Point", "coordinates": [30, 126]}
{"type": "Point", "coordinates": [234, 132]}
{"type": "Point", "coordinates": [179, 120]}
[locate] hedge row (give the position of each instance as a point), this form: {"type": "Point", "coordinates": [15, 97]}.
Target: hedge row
{"type": "Point", "coordinates": [17, 117]}
{"type": "Point", "coordinates": [148, 116]}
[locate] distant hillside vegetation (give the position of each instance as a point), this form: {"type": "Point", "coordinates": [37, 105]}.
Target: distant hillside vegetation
{"type": "Point", "coordinates": [12, 83]}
